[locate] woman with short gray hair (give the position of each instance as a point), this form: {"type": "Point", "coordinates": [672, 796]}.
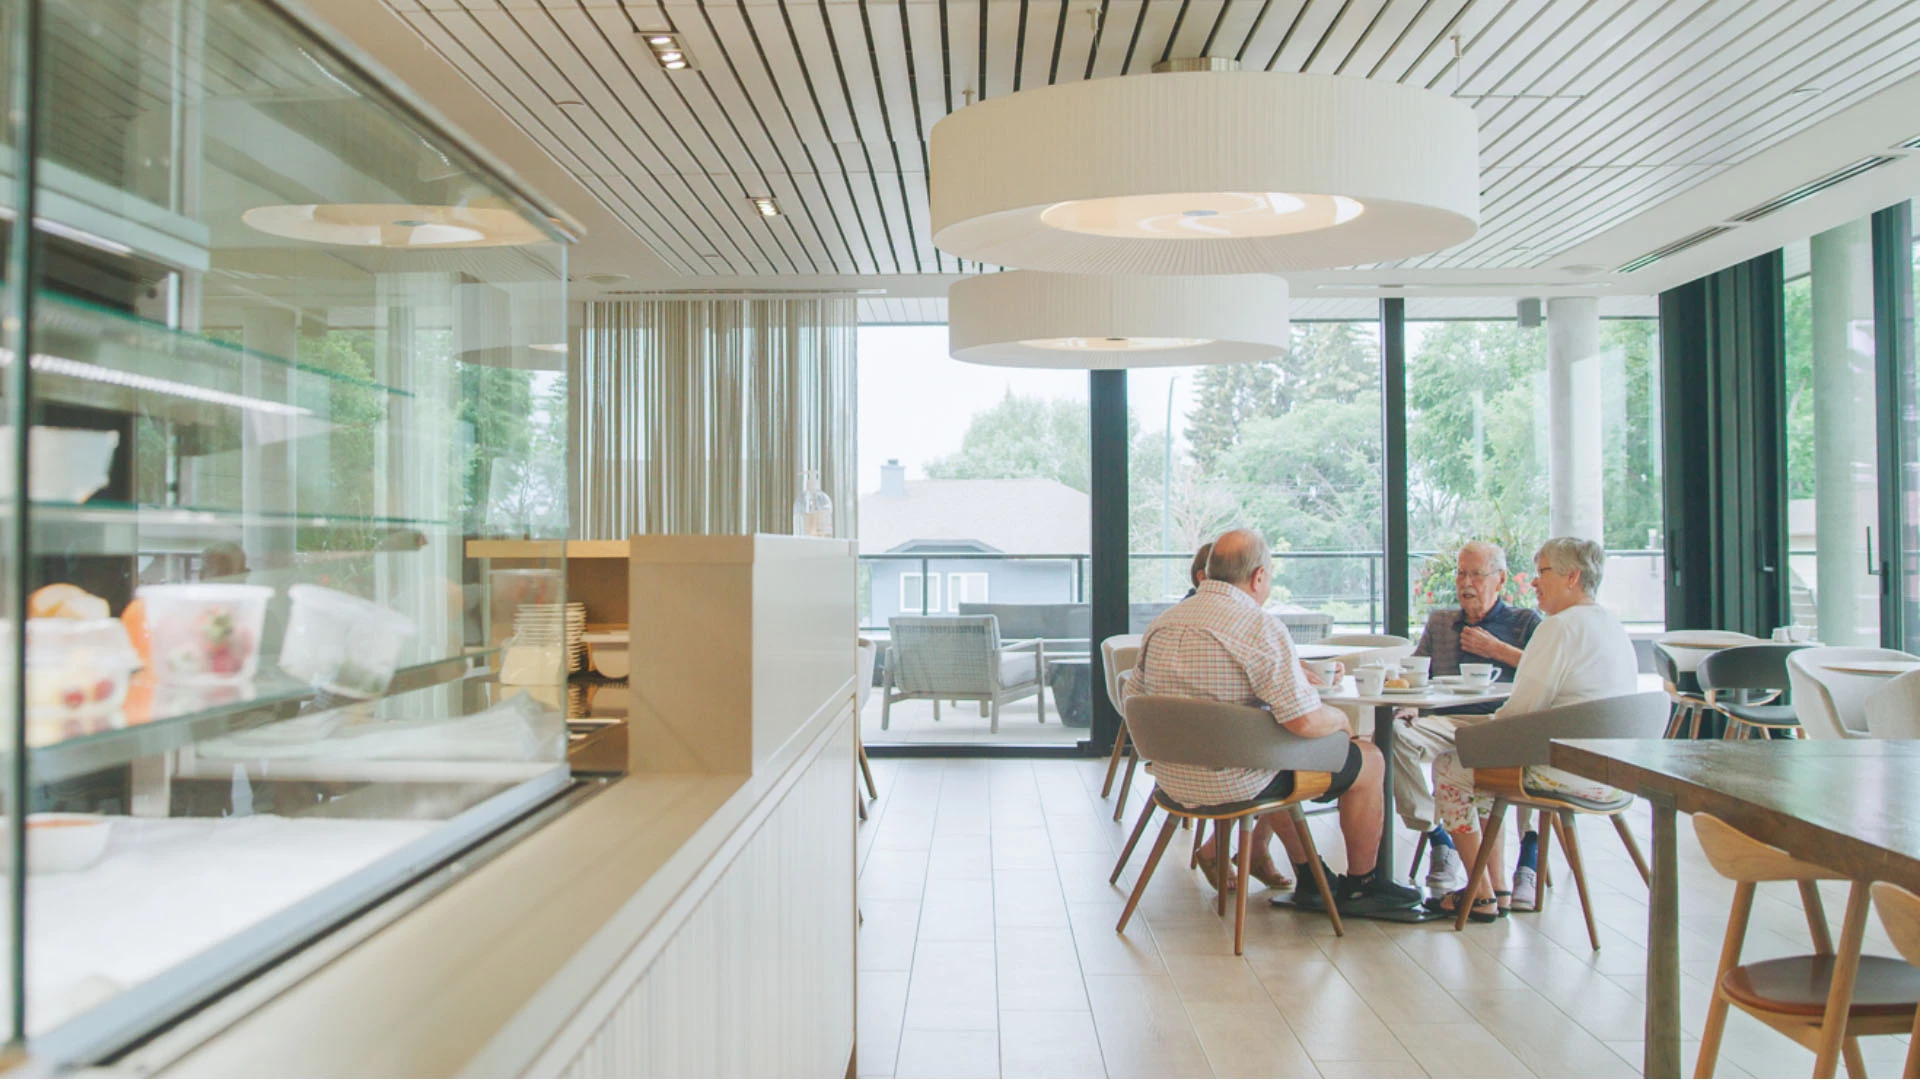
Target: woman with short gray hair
{"type": "Point", "coordinates": [1579, 653]}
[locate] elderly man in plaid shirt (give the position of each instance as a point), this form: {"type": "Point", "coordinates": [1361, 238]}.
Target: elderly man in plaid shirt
{"type": "Point", "coordinates": [1221, 645]}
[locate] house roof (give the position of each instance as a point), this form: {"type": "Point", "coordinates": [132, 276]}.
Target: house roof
{"type": "Point", "coordinates": [1021, 517]}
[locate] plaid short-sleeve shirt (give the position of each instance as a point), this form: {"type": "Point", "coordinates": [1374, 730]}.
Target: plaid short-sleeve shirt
{"type": "Point", "coordinates": [1218, 645]}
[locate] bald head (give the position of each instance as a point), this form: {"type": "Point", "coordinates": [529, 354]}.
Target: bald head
{"type": "Point", "coordinates": [1237, 556]}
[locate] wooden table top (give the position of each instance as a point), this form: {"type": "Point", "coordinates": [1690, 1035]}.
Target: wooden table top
{"type": "Point", "coordinates": [1843, 804]}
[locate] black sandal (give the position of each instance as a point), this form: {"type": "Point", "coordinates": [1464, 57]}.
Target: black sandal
{"type": "Point", "coordinates": [1503, 897]}
{"type": "Point", "coordinates": [1449, 905]}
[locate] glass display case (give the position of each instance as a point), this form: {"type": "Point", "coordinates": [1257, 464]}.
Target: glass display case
{"type": "Point", "coordinates": [290, 344]}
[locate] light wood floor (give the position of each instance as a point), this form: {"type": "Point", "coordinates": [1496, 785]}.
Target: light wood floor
{"type": "Point", "coordinates": [988, 950]}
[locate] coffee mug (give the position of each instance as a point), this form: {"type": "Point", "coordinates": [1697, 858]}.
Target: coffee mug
{"type": "Point", "coordinates": [1411, 664]}
{"type": "Point", "coordinates": [1479, 674]}
{"type": "Point", "coordinates": [1370, 680]}
{"type": "Point", "coordinates": [1783, 633]}
{"type": "Point", "coordinates": [1416, 678]}
{"type": "Point", "coordinates": [1800, 633]}
{"type": "Point", "coordinates": [1327, 671]}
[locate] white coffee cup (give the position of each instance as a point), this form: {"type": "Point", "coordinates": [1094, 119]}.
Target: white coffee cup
{"type": "Point", "coordinates": [1477, 674]}
{"type": "Point", "coordinates": [1800, 633]}
{"type": "Point", "coordinates": [1327, 671]}
{"type": "Point", "coordinates": [1421, 664]}
{"type": "Point", "coordinates": [1370, 680]}
{"type": "Point", "coordinates": [1783, 633]}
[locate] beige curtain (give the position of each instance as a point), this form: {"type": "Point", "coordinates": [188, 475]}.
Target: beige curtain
{"type": "Point", "coordinates": [699, 416]}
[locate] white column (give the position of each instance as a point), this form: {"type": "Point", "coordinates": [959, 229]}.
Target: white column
{"type": "Point", "coordinates": [1575, 482]}
{"type": "Point", "coordinates": [1844, 433]}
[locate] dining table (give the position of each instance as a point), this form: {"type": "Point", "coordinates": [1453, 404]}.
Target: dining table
{"type": "Point", "coordinates": [1445, 692]}
{"type": "Point", "coordinates": [1828, 802]}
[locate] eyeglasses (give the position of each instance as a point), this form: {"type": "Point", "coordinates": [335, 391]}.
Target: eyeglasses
{"type": "Point", "coordinates": [1476, 573]}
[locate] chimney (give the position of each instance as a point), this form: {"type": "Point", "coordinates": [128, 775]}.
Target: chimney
{"type": "Point", "coordinates": [893, 479]}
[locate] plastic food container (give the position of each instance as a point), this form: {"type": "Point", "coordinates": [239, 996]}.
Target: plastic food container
{"type": "Point", "coordinates": [77, 671]}
{"type": "Point", "coordinates": [63, 843]}
{"type": "Point", "coordinates": [203, 632]}
{"type": "Point", "coordinates": [67, 465]}
{"type": "Point", "coordinates": [342, 643]}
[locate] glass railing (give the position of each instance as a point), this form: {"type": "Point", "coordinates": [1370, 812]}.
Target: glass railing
{"type": "Point", "coordinates": [1349, 586]}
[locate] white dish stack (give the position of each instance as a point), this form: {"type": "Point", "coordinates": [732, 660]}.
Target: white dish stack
{"type": "Point", "coordinates": [553, 626]}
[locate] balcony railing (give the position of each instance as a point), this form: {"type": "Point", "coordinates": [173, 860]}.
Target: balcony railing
{"type": "Point", "coordinates": [1347, 584]}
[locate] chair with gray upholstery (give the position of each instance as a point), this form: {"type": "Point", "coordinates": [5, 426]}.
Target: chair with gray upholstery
{"type": "Point", "coordinates": [1745, 683]}
{"type": "Point", "coordinates": [1893, 711]}
{"type": "Point", "coordinates": [1118, 655]}
{"type": "Point", "coordinates": [1500, 750]}
{"type": "Point", "coordinates": [960, 658]}
{"type": "Point", "coordinates": [1833, 704]}
{"type": "Point", "coordinates": [1306, 626]}
{"type": "Point", "coordinates": [1215, 735]}
{"type": "Point", "coordinates": [1676, 658]}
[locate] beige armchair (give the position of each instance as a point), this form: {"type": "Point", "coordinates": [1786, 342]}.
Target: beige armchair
{"type": "Point", "coordinates": [960, 658]}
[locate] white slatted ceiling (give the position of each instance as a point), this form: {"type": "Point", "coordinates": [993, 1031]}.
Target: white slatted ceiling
{"type": "Point", "coordinates": [1590, 110]}
{"type": "Point", "coordinates": [911, 310]}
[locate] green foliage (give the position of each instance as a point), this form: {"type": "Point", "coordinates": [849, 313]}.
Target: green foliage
{"type": "Point", "coordinates": [1476, 460]}
{"type": "Point", "coordinates": [1799, 324]}
{"type": "Point", "coordinates": [1630, 432]}
{"type": "Point", "coordinates": [1328, 361]}
{"type": "Point", "coordinates": [1022, 438]}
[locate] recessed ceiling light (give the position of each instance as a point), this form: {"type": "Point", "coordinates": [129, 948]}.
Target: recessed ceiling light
{"type": "Point", "coordinates": [767, 207]}
{"type": "Point", "coordinates": [669, 55]}
{"type": "Point", "coordinates": [659, 39]}
{"type": "Point", "coordinates": [675, 65]}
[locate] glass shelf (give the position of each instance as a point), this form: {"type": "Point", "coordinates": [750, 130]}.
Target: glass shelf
{"type": "Point", "coordinates": [109, 528]}
{"type": "Point", "coordinates": [161, 717]}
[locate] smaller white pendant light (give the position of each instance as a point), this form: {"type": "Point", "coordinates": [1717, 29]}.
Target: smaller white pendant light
{"type": "Point", "coordinates": [1022, 318]}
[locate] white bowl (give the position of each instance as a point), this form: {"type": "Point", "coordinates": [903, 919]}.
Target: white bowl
{"type": "Point", "coordinates": [63, 843]}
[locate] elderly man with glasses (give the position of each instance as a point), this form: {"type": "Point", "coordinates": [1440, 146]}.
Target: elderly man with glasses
{"type": "Point", "coordinates": [1484, 629]}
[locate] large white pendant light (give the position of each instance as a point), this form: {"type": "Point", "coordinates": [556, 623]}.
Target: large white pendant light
{"type": "Point", "coordinates": [1025, 319]}
{"type": "Point", "coordinates": [1205, 172]}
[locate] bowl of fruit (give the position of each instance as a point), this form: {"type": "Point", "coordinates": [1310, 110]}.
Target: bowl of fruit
{"type": "Point", "coordinates": [204, 632]}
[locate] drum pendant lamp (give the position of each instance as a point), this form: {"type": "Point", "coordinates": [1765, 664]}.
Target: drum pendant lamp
{"type": "Point", "coordinates": [1205, 172]}
{"type": "Point", "coordinates": [1022, 318]}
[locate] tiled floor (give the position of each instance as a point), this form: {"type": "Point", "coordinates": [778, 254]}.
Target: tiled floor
{"type": "Point", "coordinates": [988, 949]}
{"type": "Point", "coordinates": [912, 722]}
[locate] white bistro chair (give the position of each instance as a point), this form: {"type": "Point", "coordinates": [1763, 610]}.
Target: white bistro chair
{"type": "Point", "coordinates": [1833, 704]}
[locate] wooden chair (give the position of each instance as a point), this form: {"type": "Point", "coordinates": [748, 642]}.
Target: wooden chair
{"type": "Point", "coordinates": [1824, 1000]}
{"type": "Point", "coordinates": [1213, 735]}
{"type": "Point", "coordinates": [1118, 654]}
{"type": "Point", "coordinates": [1676, 658]}
{"type": "Point", "coordinates": [1900, 917]}
{"type": "Point", "coordinates": [1499, 751]}
{"type": "Point", "coordinates": [1744, 683]}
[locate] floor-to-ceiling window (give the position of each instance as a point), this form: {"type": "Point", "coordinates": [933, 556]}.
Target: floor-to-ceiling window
{"type": "Point", "coordinates": [1480, 425]}
{"type": "Point", "coordinates": [1290, 447]}
{"type": "Point", "coordinates": [974, 500]}
{"type": "Point", "coordinates": [1832, 441]}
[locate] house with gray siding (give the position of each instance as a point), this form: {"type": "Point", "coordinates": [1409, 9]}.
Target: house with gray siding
{"type": "Point", "coordinates": [950, 542]}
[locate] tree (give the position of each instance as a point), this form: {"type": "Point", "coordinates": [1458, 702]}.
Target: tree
{"type": "Point", "coordinates": [1022, 438]}
{"type": "Point", "coordinates": [1326, 362]}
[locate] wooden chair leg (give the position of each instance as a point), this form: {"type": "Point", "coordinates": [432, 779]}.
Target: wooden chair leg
{"type": "Point", "coordinates": [1570, 841]}
{"type": "Point", "coordinates": [1126, 785]}
{"type": "Point", "coordinates": [1913, 1050]}
{"type": "Point", "coordinates": [1319, 871]}
{"type": "Point", "coordinates": [1850, 1052]}
{"type": "Point", "coordinates": [1113, 759]}
{"type": "Point", "coordinates": [1633, 846]}
{"type": "Point", "coordinates": [1139, 828]}
{"type": "Point", "coordinates": [1481, 865]}
{"type": "Point", "coordinates": [1419, 852]}
{"type": "Point", "coordinates": [1846, 966]}
{"type": "Point", "coordinates": [1730, 947]}
{"type": "Point", "coordinates": [1222, 855]}
{"type": "Point", "coordinates": [1546, 850]}
{"type": "Point", "coordinates": [1199, 841]}
{"type": "Point", "coordinates": [860, 804]}
{"type": "Point", "coordinates": [1146, 872]}
{"type": "Point", "coordinates": [1240, 900]}
{"type": "Point", "coordinates": [866, 770]}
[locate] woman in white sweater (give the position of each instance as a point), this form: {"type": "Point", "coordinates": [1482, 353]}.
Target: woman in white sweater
{"type": "Point", "coordinates": [1579, 653]}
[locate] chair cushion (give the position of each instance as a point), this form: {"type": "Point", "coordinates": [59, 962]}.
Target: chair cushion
{"type": "Point", "coordinates": [1775, 715]}
{"type": "Point", "coordinates": [1016, 668]}
{"type": "Point", "coordinates": [1797, 985]}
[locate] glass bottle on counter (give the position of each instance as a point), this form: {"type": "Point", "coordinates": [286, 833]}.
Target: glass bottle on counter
{"type": "Point", "coordinates": [812, 508]}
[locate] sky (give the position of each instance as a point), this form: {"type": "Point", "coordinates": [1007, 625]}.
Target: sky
{"type": "Point", "coordinates": [915, 400]}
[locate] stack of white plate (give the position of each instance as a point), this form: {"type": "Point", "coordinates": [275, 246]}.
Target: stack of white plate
{"type": "Point", "coordinates": [552, 624]}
